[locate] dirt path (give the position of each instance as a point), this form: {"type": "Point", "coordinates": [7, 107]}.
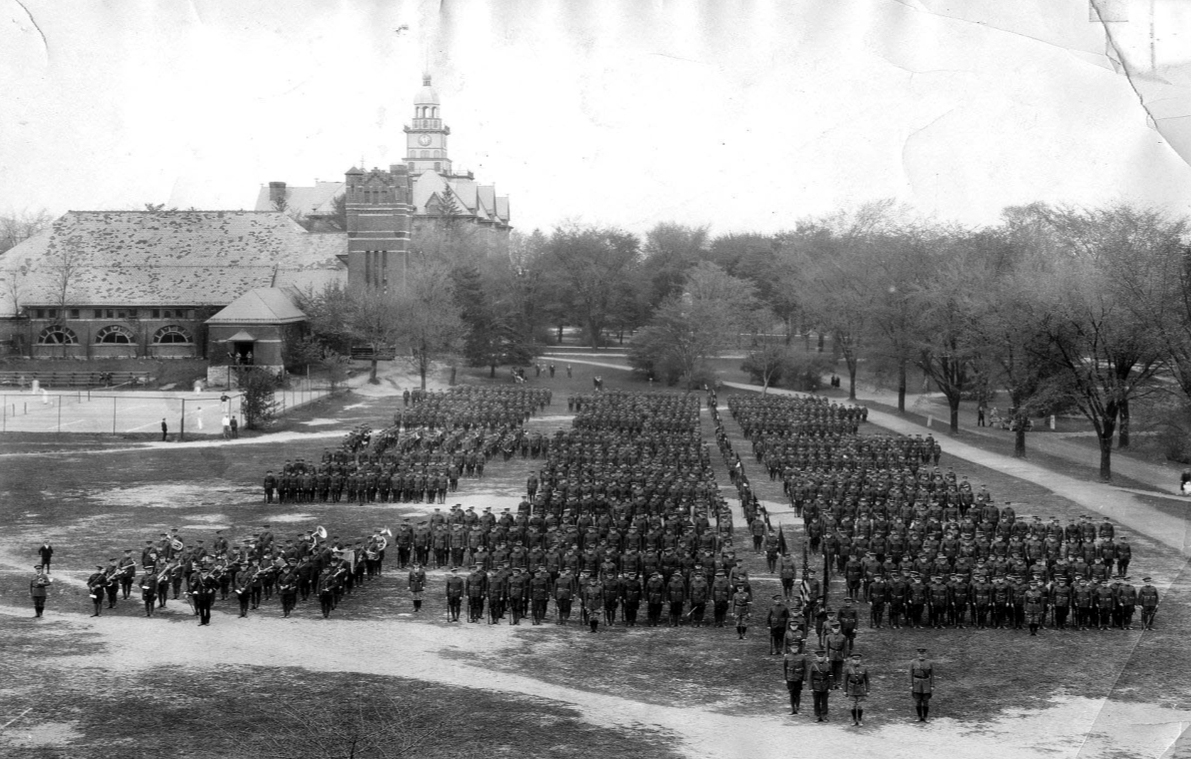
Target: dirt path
{"type": "Point", "coordinates": [1074, 727]}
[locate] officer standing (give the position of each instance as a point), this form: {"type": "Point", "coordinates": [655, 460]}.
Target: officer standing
{"type": "Point", "coordinates": [819, 672]}
{"type": "Point", "coordinates": [417, 584]}
{"type": "Point", "coordinates": [454, 594]}
{"type": "Point", "coordinates": [778, 620]}
{"type": "Point", "coordinates": [794, 665]}
{"type": "Point", "coordinates": [856, 687]}
{"type": "Point", "coordinates": [97, 582]}
{"type": "Point", "coordinates": [1148, 595]}
{"type": "Point", "coordinates": [148, 585]}
{"type": "Point", "coordinates": [922, 683]}
{"type": "Point", "coordinates": [37, 589]}
{"type": "Point", "coordinates": [741, 606]}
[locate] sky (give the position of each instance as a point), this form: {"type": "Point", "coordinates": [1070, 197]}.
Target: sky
{"type": "Point", "coordinates": [741, 115]}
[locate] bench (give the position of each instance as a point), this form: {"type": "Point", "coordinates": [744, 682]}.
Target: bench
{"type": "Point", "coordinates": [53, 379]}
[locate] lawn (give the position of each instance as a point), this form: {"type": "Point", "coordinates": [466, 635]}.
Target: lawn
{"type": "Point", "coordinates": [84, 682]}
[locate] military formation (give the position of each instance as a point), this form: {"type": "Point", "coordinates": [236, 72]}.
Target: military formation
{"type": "Point", "coordinates": [251, 572]}
{"type": "Point", "coordinates": [420, 458]}
{"type": "Point", "coordinates": [622, 524]}
{"type": "Point", "coordinates": [920, 546]}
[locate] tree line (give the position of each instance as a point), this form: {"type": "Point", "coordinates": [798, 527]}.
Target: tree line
{"type": "Point", "coordinates": [1062, 309]}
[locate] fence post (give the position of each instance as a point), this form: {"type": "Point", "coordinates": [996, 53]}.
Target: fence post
{"type": "Point", "coordinates": [59, 414]}
{"type": "Point", "coordinates": [113, 415]}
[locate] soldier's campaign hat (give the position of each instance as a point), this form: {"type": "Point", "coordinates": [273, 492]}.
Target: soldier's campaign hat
{"type": "Point", "coordinates": [922, 648]}
{"type": "Point", "coordinates": [1147, 579]}
{"type": "Point", "coordinates": [37, 566]}
{"type": "Point", "coordinates": [99, 566]}
{"type": "Point", "coordinates": [820, 652]}
{"type": "Point", "coordinates": [855, 655]}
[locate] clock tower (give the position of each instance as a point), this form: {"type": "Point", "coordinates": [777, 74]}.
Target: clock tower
{"type": "Point", "coordinates": [426, 139]}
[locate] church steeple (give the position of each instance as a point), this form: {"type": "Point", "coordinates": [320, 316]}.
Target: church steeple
{"type": "Point", "coordinates": [426, 139]}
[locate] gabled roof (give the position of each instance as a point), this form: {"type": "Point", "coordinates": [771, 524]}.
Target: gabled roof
{"type": "Point", "coordinates": [263, 305]}
{"type": "Point", "coordinates": [143, 258]}
{"type": "Point", "coordinates": [307, 201]}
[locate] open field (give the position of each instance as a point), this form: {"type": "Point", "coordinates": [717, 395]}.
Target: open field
{"type": "Point", "coordinates": [125, 686]}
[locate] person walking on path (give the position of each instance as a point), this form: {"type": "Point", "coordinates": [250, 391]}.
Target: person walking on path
{"type": "Point", "coordinates": [165, 429]}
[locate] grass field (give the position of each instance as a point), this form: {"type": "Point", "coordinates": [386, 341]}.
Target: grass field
{"type": "Point", "coordinates": [125, 686]}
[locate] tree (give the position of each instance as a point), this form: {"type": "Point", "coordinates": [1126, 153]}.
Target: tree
{"type": "Point", "coordinates": [493, 335]}
{"type": "Point", "coordinates": [1106, 352]}
{"type": "Point", "coordinates": [258, 402]}
{"type": "Point", "coordinates": [374, 318]}
{"type": "Point", "coordinates": [768, 364]}
{"type": "Point", "coordinates": [16, 227]}
{"type": "Point", "coordinates": [427, 320]}
{"type": "Point", "coordinates": [670, 250]}
{"type": "Point", "coordinates": [359, 727]}
{"type": "Point", "coordinates": [945, 337]}
{"type": "Point", "coordinates": [698, 324]}
{"type": "Point", "coordinates": [592, 270]}
{"type": "Point", "coordinates": [835, 289]}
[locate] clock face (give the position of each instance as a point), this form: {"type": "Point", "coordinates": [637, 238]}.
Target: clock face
{"type": "Point", "coordinates": [424, 140]}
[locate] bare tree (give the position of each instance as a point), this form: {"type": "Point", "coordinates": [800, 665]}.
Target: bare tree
{"type": "Point", "coordinates": [359, 728]}
{"type": "Point", "coordinates": [64, 263]}
{"type": "Point", "coordinates": [15, 228]}
{"type": "Point", "coordinates": [429, 323]}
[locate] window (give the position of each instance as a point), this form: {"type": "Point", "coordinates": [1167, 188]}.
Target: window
{"type": "Point", "coordinates": [74, 313]}
{"type": "Point", "coordinates": [132, 313]}
{"type": "Point", "coordinates": [157, 313]}
{"type": "Point", "coordinates": [99, 313]}
{"type": "Point", "coordinates": [110, 313]}
{"type": "Point", "coordinates": [114, 335]}
{"type": "Point", "coordinates": [57, 336]}
{"type": "Point", "coordinates": [171, 334]}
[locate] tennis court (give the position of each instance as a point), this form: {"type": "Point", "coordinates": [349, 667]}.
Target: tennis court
{"type": "Point", "coordinates": [188, 414]}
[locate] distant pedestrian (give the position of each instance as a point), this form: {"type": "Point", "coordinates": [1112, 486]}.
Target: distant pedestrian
{"type": "Point", "coordinates": [568, 371]}
{"type": "Point", "coordinates": [47, 553]}
{"type": "Point", "coordinates": [165, 429]}
{"type": "Point", "coordinates": [235, 427]}
{"type": "Point", "coordinates": [198, 417]}
{"type": "Point", "coordinates": [981, 410]}
{"type": "Point", "coordinates": [227, 427]}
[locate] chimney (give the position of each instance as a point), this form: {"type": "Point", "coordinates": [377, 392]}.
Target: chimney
{"type": "Point", "coordinates": [276, 192]}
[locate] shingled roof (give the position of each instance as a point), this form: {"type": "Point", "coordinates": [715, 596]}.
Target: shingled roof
{"type": "Point", "coordinates": [264, 305]}
{"type": "Point", "coordinates": [145, 258]}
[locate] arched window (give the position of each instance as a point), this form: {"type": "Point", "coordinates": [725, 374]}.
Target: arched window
{"type": "Point", "coordinates": [57, 336]}
{"type": "Point", "coordinates": [114, 334]}
{"type": "Point", "coordinates": [171, 334]}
